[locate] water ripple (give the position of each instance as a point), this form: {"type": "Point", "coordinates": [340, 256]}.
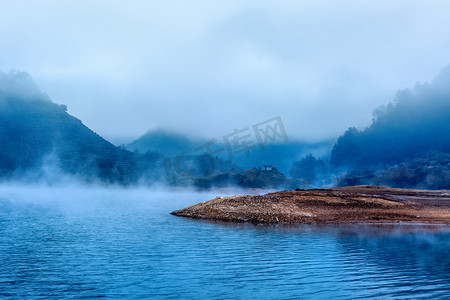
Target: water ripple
{"type": "Point", "coordinates": [124, 244]}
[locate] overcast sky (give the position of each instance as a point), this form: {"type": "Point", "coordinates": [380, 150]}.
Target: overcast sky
{"type": "Point", "coordinates": [208, 67]}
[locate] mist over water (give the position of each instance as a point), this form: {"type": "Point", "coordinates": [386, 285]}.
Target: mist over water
{"type": "Point", "coordinates": [79, 242]}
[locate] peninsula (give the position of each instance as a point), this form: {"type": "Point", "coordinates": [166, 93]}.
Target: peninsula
{"type": "Point", "coordinates": [355, 204]}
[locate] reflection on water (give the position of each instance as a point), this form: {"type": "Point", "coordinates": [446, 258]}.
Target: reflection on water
{"type": "Point", "coordinates": [123, 243]}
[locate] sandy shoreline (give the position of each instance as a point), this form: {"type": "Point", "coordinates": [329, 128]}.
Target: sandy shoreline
{"type": "Point", "coordinates": [357, 204]}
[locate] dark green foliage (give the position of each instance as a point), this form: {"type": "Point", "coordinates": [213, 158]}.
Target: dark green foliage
{"type": "Point", "coordinates": [407, 145]}
{"type": "Point", "coordinates": [34, 129]}
{"type": "Point", "coordinates": [309, 168]}
{"type": "Point", "coordinates": [417, 123]}
{"type": "Point", "coordinates": [261, 178]}
{"type": "Point", "coordinates": [266, 177]}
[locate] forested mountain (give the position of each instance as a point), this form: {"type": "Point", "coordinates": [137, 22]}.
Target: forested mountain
{"type": "Point", "coordinates": [407, 145]}
{"type": "Point", "coordinates": [417, 123]}
{"type": "Point", "coordinates": [35, 132]}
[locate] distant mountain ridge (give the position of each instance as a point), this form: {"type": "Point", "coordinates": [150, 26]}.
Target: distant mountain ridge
{"type": "Point", "coordinates": [407, 145]}
{"type": "Point", "coordinates": [281, 155]}
{"type": "Point", "coordinates": [167, 142]}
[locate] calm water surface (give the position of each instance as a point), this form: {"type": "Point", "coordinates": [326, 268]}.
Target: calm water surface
{"type": "Point", "coordinates": [92, 243]}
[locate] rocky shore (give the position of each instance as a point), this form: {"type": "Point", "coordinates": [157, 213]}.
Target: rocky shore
{"type": "Point", "coordinates": [356, 204]}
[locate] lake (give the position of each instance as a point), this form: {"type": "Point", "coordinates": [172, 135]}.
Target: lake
{"type": "Point", "coordinates": [76, 242]}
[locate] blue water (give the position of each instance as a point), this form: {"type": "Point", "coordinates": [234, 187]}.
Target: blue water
{"type": "Point", "coordinates": [112, 243]}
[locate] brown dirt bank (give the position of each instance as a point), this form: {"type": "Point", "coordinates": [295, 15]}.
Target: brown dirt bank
{"type": "Point", "coordinates": [367, 204]}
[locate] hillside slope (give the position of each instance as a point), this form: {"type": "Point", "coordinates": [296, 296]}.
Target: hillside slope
{"type": "Point", "coordinates": [34, 131]}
